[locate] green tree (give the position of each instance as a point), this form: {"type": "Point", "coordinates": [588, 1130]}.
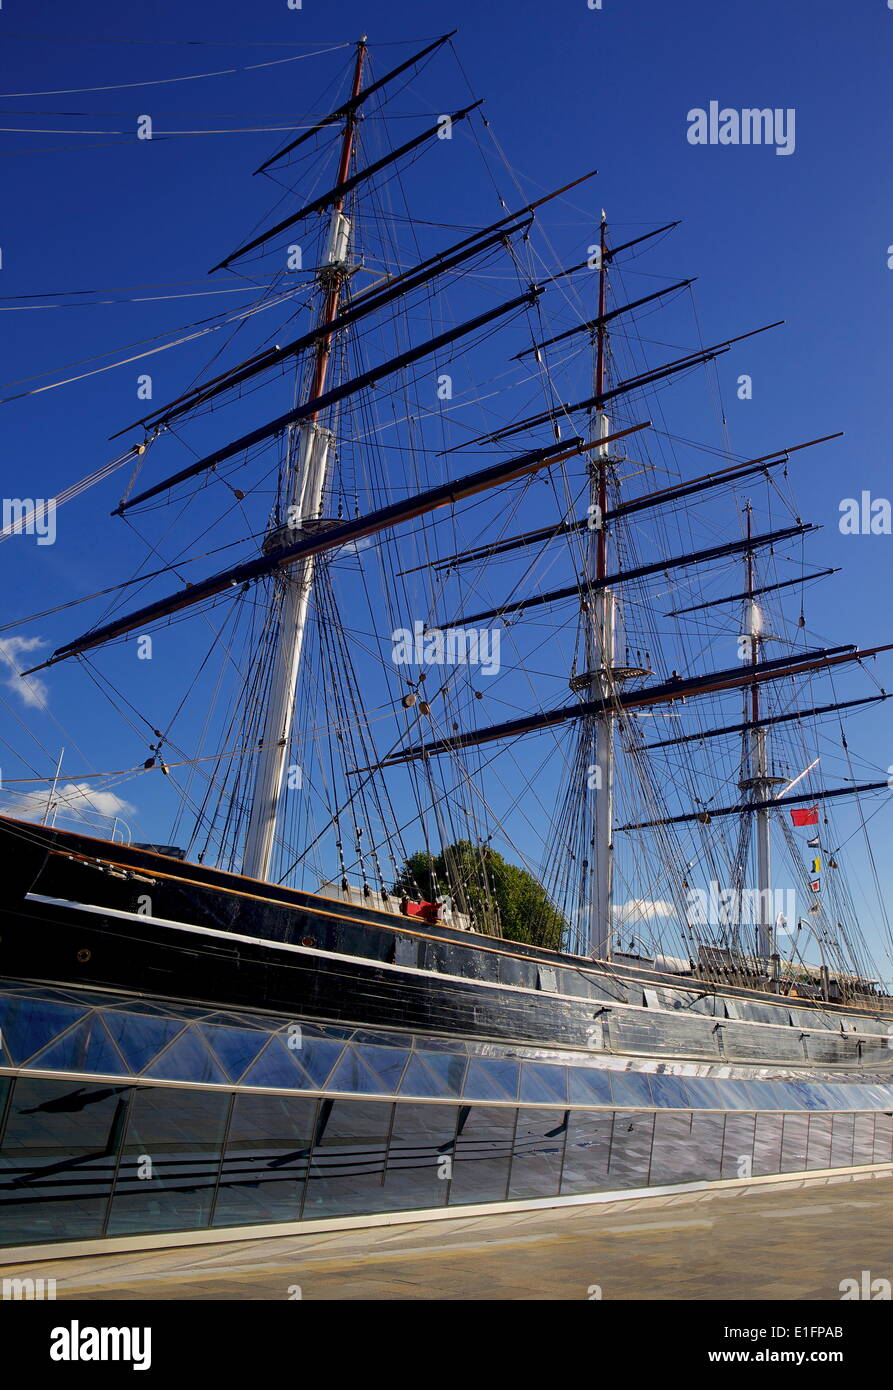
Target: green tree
{"type": "Point", "coordinates": [500, 898]}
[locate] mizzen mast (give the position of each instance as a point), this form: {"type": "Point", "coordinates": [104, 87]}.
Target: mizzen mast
{"type": "Point", "coordinates": [308, 448]}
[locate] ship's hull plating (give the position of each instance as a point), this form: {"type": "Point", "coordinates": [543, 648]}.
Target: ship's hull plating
{"type": "Point", "coordinates": [273, 1056]}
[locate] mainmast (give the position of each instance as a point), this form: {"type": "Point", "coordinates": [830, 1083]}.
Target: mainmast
{"type": "Point", "coordinates": [308, 449]}
{"type": "Point", "coordinates": [758, 783]}
{"type": "Point", "coordinates": [601, 676]}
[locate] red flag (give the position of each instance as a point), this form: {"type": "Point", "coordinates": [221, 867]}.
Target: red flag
{"type": "Point", "coordinates": [815, 886]}
{"type": "Point", "coordinates": [809, 815]}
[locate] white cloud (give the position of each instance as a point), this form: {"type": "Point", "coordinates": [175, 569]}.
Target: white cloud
{"type": "Point", "coordinates": [71, 797]}
{"type": "Point", "coordinates": [28, 688]}
{"type": "Point", "coordinates": [644, 909]}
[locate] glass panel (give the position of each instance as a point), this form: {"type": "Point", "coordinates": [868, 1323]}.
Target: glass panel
{"type": "Point", "coordinates": [670, 1091]}
{"type": "Point", "coordinates": [818, 1149]}
{"type": "Point", "coordinates": [420, 1157]}
{"type": "Point", "coordinates": [352, 1074]}
{"type": "Point", "coordinates": [807, 1093]}
{"type": "Point", "coordinates": [491, 1079]}
{"type": "Point", "coordinates": [767, 1145]}
{"type": "Point", "coordinates": [735, 1095]}
{"type": "Point", "coordinates": [29, 1024]}
{"type": "Point", "coordinates": [705, 1094]}
{"type": "Point", "coordinates": [388, 1063]}
{"type": "Point", "coordinates": [588, 1086]}
{"type": "Point", "coordinates": [769, 1095]}
{"type": "Point", "coordinates": [706, 1143]}
{"type": "Point", "coordinates": [266, 1159]}
{"type": "Point", "coordinates": [86, 1047]}
{"type": "Point", "coordinates": [317, 1056]}
{"type": "Point", "coordinates": [235, 1048]}
{"type": "Point", "coordinates": [5, 1088]}
{"type": "Point", "coordinates": [630, 1088]}
{"type": "Point", "coordinates": [630, 1148]}
{"type": "Point", "coordinates": [347, 1168]}
{"type": "Point", "coordinates": [824, 1095]}
{"type": "Point", "coordinates": [433, 1074]}
{"type": "Point", "coordinates": [278, 1065]}
{"type": "Point", "coordinates": [482, 1155]}
{"type": "Point", "coordinates": [737, 1146]}
{"type": "Point", "coordinates": [855, 1096]}
{"type": "Point", "coordinates": [672, 1156]}
{"type": "Point", "coordinates": [863, 1139]}
{"type": "Point", "coordinates": [538, 1152]}
{"type": "Point", "coordinates": [794, 1140]}
{"type": "Point", "coordinates": [187, 1059]}
{"type": "Point", "coordinates": [543, 1083]}
{"type": "Point", "coordinates": [58, 1159]}
{"type": "Point", "coordinates": [140, 1036]}
{"type": "Point", "coordinates": [883, 1136]}
{"type": "Point", "coordinates": [842, 1141]}
{"type": "Point", "coordinates": [170, 1160]}
{"type": "Point", "coordinates": [586, 1151]}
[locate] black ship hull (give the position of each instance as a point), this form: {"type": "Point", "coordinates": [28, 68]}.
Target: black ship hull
{"type": "Point", "coordinates": [121, 934]}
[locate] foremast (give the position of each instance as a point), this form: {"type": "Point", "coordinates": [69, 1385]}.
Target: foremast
{"type": "Point", "coordinates": [308, 449]}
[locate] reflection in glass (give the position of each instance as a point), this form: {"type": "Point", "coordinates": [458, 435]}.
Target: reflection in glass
{"type": "Point", "coordinates": [863, 1139]}
{"type": "Point", "coordinates": [543, 1083]}
{"type": "Point", "coordinates": [58, 1158]}
{"type": "Point", "coordinates": [630, 1148]}
{"type": "Point", "coordinates": [482, 1155]}
{"type": "Point", "coordinates": [706, 1094]}
{"type": "Point", "coordinates": [491, 1078]}
{"type": "Point", "coordinates": [170, 1160]}
{"type": "Point", "coordinates": [586, 1151]}
{"type": "Point", "coordinates": [883, 1136]}
{"type": "Point", "coordinates": [737, 1146]}
{"type": "Point", "coordinates": [706, 1143]}
{"type": "Point", "coordinates": [588, 1086]}
{"type": "Point", "coordinates": [347, 1167]}
{"type": "Point", "coordinates": [793, 1143]}
{"type": "Point", "coordinates": [843, 1131]}
{"type": "Point", "coordinates": [767, 1144]}
{"type": "Point", "coordinates": [672, 1156]}
{"type": "Point", "coordinates": [266, 1159]}
{"type": "Point", "coordinates": [670, 1091]}
{"type": "Point", "coordinates": [419, 1157]}
{"type": "Point", "coordinates": [630, 1088]}
{"type": "Point", "coordinates": [538, 1152]}
{"type": "Point", "coordinates": [818, 1150]}
{"type": "Point", "coordinates": [433, 1074]}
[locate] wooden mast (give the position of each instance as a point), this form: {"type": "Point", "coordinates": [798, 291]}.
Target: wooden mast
{"type": "Point", "coordinates": [308, 460]}
{"type": "Point", "coordinates": [759, 783]}
{"type": "Point", "coordinates": [598, 680]}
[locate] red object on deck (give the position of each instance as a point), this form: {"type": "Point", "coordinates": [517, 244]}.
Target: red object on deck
{"type": "Point", "coordinates": [429, 912]}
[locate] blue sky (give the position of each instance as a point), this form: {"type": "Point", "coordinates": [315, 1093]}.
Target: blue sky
{"type": "Point", "coordinates": [802, 238]}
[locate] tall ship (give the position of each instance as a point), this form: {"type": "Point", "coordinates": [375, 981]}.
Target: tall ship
{"type": "Point", "coordinates": [500, 754]}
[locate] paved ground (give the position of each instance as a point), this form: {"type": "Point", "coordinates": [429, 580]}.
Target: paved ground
{"type": "Point", "coordinates": [793, 1241]}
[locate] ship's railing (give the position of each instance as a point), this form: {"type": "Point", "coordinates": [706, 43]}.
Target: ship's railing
{"type": "Point", "coordinates": [63, 807]}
